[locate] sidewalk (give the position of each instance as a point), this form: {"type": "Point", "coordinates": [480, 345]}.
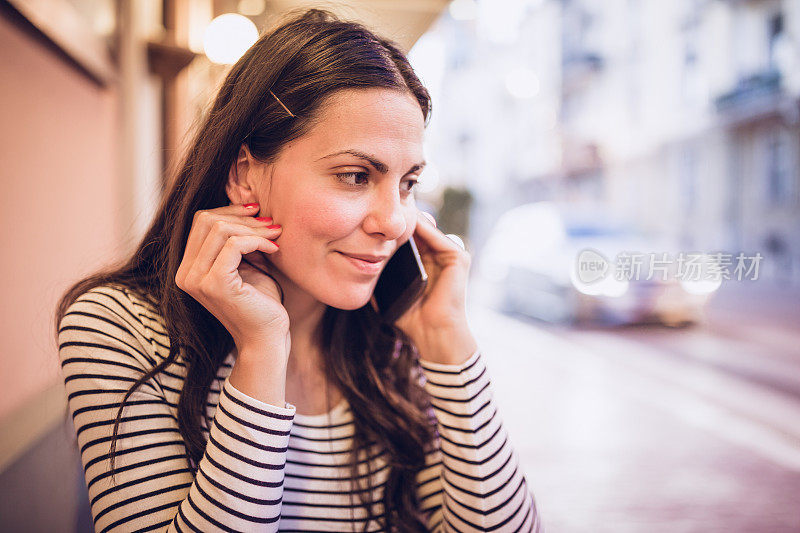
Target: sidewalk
{"type": "Point", "coordinates": [615, 438]}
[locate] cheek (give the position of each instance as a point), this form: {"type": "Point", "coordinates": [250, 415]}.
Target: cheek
{"type": "Point", "coordinates": [324, 217]}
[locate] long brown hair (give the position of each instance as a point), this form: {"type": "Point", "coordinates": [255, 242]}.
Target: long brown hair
{"type": "Point", "coordinates": [303, 60]}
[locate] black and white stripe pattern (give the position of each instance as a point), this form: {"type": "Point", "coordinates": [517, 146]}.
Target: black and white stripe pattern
{"type": "Point", "coordinates": [266, 468]}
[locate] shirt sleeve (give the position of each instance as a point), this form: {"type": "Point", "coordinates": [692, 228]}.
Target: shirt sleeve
{"type": "Point", "coordinates": [472, 481]}
{"type": "Point", "coordinates": [238, 484]}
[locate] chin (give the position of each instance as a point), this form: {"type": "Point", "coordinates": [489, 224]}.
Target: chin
{"type": "Point", "coordinates": [349, 300]}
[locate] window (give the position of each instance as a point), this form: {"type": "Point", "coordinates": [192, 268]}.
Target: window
{"type": "Point", "coordinates": [780, 176]}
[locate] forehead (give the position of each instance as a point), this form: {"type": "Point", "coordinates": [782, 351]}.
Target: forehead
{"type": "Point", "coordinates": [373, 120]}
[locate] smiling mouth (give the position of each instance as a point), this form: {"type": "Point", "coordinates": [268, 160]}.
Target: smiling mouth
{"type": "Point", "coordinates": [369, 258]}
{"type": "Point", "coordinates": [362, 265]}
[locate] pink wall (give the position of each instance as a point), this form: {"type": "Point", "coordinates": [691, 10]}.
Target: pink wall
{"type": "Point", "coordinates": [59, 202]}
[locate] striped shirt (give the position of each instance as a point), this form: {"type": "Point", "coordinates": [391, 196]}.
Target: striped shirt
{"type": "Point", "coordinates": [266, 467]}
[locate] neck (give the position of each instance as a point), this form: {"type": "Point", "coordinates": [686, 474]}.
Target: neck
{"type": "Point", "coordinates": [305, 314]}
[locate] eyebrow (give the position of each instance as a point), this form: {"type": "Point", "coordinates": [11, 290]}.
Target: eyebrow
{"type": "Point", "coordinates": [383, 168]}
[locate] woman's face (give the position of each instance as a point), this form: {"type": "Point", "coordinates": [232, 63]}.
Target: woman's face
{"type": "Point", "coordinates": [344, 188]}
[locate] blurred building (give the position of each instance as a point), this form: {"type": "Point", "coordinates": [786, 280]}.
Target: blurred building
{"type": "Point", "coordinates": [681, 115]}
{"type": "Point", "coordinates": [693, 107]}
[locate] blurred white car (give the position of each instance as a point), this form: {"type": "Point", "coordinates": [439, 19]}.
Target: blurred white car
{"type": "Point", "coordinates": [560, 263]}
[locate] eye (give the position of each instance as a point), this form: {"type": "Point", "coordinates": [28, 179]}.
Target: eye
{"type": "Point", "coordinates": [345, 176]}
{"type": "Point", "coordinates": [351, 179]}
{"type": "Point", "coordinates": [411, 185]}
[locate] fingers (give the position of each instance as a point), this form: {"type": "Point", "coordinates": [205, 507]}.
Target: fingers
{"type": "Point", "coordinates": [209, 232]}
{"type": "Point", "coordinates": [429, 217]}
{"type": "Point", "coordinates": [203, 220]}
{"type": "Point", "coordinates": [429, 236]}
{"type": "Point", "coordinates": [228, 260]}
{"type": "Point", "coordinates": [222, 232]}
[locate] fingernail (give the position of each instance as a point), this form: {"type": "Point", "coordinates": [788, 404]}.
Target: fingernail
{"type": "Point", "coordinates": [250, 206]}
{"type": "Point", "coordinates": [429, 217]}
{"type": "Point", "coordinates": [274, 226]}
{"type": "Point", "coordinates": [264, 219]}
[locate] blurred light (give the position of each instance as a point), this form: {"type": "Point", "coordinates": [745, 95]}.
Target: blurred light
{"type": "Point", "coordinates": [251, 7]}
{"type": "Point", "coordinates": [607, 286]}
{"type": "Point", "coordinates": [613, 287]}
{"type": "Point", "coordinates": [711, 277]}
{"type": "Point", "coordinates": [464, 9]}
{"type": "Point", "coordinates": [429, 179]}
{"type": "Point", "coordinates": [228, 37]}
{"type": "Point", "coordinates": [522, 83]}
{"type": "Point", "coordinates": [700, 286]}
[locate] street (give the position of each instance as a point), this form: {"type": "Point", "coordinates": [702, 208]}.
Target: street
{"type": "Point", "coordinates": [653, 429]}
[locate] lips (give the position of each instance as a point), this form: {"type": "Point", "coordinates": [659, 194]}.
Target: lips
{"type": "Point", "coordinates": [365, 264]}
{"type": "Point", "coordinates": [370, 258]}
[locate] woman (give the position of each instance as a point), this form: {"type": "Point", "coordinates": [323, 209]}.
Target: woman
{"type": "Point", "coordinates": [232, 374]}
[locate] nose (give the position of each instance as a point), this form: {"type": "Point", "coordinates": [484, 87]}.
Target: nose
{"type": "Point", "coordinates": [386, 214]}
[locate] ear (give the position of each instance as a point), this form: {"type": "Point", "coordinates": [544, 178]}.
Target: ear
{"type": "Point", "coordinates": [241, 178]}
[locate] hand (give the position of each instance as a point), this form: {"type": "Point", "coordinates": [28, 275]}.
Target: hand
{"type": "Point", "coordinates": [437, 321]}
{"type": "Point", "coordinates": [243, 297]}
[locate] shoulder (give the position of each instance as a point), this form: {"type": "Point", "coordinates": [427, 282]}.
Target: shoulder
{"type": "Point", "coordinates": [113, 315]}
{"type": "Point", "coordinates": [119, 303]}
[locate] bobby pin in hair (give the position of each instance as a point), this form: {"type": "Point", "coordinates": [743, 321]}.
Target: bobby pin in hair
{"type": "Point", "coordinates": [279, 101]}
